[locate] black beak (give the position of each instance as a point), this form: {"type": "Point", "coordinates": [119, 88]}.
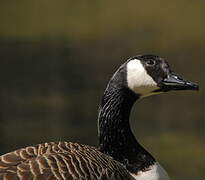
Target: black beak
{"type": "Point", "coordinates": [175, 82]}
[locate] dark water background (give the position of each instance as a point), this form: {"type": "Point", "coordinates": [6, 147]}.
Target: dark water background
{"type": "Point", "coordinates": [57, 56]}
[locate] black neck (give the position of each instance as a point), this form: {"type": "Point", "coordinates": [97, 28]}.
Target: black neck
{"type": "Point", "coordinates": [115, 135]}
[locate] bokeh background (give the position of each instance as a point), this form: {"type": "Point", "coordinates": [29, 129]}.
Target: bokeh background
{"type": "Point", "coordinates": [57, 56]}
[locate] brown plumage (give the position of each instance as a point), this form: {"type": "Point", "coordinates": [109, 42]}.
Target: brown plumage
{"type": "Point", "coordinates": [62, 161]}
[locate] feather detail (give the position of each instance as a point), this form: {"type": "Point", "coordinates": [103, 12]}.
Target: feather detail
{"type": "Point", "coordinates": [61, 161]}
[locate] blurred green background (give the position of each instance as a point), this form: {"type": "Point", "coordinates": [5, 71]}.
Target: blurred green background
{"type": "Point", "coordinates": [56, 58]}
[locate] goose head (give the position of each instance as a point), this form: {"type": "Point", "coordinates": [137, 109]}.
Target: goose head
{"type": "Point", "coordinates": [149, 74]}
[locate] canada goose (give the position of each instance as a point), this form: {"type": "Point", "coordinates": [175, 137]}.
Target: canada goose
{"type": "Point", "coordinates": [120, 156]}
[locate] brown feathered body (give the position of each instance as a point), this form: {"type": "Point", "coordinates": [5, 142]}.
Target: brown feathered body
{"type": "Point", "coordinates": [61, 161]}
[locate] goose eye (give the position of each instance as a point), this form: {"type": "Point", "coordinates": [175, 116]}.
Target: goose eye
{"type": "Point", "coordinates": [150, 62]}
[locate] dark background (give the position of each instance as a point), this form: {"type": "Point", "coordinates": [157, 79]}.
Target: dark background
{"type": "Point", "coordinates": [57, 56]}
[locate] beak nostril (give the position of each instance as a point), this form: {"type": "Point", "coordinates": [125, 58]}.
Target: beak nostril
{"type": "Point", "coordinates": [179, 78]}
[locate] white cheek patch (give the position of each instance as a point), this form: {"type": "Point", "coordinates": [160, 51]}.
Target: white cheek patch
{"type": "Point", "coordinates": [139, 80]}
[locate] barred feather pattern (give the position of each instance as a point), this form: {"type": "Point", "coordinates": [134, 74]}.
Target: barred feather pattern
{"type": "Point", "coordinates": [60, 161]}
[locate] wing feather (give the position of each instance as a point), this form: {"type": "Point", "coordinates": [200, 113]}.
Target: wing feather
{"type": "Point", "coordinates": [61, 161]}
